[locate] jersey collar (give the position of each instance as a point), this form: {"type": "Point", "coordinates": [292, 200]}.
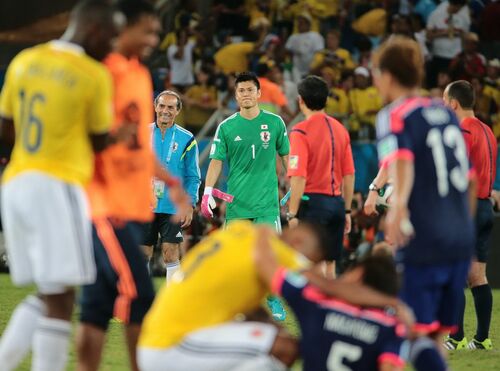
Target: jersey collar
{"type": "Point", "coordinates": [67, 46]}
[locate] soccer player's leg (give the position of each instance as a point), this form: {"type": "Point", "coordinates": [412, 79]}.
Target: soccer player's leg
{"type": "Point", "coordinates": [171, 238]}
{"type": "Point", "coordinates": [151, 233]}
{"type": "Point", "coordinates": [273, 302]}
{"type": "Point", "coordinates": [224, 348]}
{"type": "Point", "coordinates": [422, 291]}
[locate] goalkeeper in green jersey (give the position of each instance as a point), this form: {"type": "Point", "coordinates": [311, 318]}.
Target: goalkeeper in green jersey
{"type": "Point", "coordinates": [249, 141]}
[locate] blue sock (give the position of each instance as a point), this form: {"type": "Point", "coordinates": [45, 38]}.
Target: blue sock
{"type": "Point", "coordinates": [425, 356]}
{"type": "Point", "coordinates": [483, 301]}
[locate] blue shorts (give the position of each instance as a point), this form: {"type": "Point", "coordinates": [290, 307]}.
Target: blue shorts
{"type": "Point", "coordinates": [328, 212]}
{"type": "Point", "coordinates": [484, 227]}
{"type": "Point", "coordinates": [123, 287]}
{"type": "Point", "coordinates": [434, 292]}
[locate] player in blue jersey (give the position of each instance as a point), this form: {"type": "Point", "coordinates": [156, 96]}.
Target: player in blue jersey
{"type": "Point", "coordinates": [336, 335]}
{"type": "Point", "coordinates": [429, 221]}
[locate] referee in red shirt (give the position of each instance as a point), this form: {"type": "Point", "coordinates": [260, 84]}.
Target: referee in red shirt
{"type": "Point", "coordinates": [482, 150]}
{"type": "Point", "coordinates": [320, 167]}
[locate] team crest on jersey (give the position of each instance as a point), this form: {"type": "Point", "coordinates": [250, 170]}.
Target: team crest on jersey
{"type": "Point", "coordinates": [175, 146]}
{"type": "Point", "coordinates": [265, 136]}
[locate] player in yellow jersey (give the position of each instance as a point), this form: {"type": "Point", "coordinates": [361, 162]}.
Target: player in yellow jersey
{"type": "Point", "coordinates": [55, 108]}
{"type": "Point", "coordinates": [191, 325]}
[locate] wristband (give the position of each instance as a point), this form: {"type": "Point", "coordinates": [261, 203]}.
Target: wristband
{"type": "Point", "coordinates": [208, 191]}
{"type": "Point", "coordinates": [222, 195]}
{"type": "Point", "coordinates": [347, 211]}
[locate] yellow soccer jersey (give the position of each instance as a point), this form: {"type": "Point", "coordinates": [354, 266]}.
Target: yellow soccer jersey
{"type": "Point", "coordinates": [217, 280]}
{"type": "Point", "coordinates": [56, 96]}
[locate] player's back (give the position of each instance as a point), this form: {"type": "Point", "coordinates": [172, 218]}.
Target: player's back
{"type": "Point", "coordinates": [57, 96]}
{"type": "Point", "coordinates": [217, 280]}
{"type": "Point", "coordinates": [337, 335]}
{"type": "Point", "coordinates": [429, 133]}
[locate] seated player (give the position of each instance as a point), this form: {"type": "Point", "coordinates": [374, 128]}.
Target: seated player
{"type": "Point", "coordinates": [191, 323]}
{"type": "Point", "coordinates": [337, 335]}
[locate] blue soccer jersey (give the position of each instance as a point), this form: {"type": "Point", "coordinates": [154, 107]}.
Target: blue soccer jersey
{"type": "Point", "coordinates": [425, 132]}
{"type": "Point", "coordinates": [337, 336]}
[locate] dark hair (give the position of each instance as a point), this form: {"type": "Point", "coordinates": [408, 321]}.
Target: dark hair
{"type": "Point", "coordinates": [458, 2]}
{"type": "Point", "coordinates": [247, 76]}
{"type": "Point", "coordinates": [92, 11]}
{"type": "Point", "coordinates": [463, 92]}
{"type": "Point", "coordinates": [314, 92]}
{"type": "Point", "coordinates": [172, 93]}
{"type": "Point", "coordinates": [261, 69]}
{"type": "Point", "coordinates": [379, 273]}
{"type": "Point", "coordinates": [135, 9]}
{"type": "Point", "coordinates": [402, 58]}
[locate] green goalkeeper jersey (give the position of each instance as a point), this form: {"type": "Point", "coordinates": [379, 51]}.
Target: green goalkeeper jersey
{"type": "Point", "coordinates": [250, 147]}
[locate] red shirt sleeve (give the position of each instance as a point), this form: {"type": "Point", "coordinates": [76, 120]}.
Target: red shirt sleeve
{"type": "Point", "coordinates": [299, 153]}
{"type": "Point", "coordinates": [466, 131]}
{"type": "Point", "coordinates": [347, 161]}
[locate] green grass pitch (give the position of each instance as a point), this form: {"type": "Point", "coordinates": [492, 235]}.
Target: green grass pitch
{"type": "Point", "coordinates": [115, 356]}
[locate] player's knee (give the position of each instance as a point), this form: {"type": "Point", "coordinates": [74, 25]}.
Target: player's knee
{"type": "Point", "coordinates": [285, 349]}
{"type": "Point", "coordinates": [170, 252]}
{"type": "Point", "coordinates": [60, 305]}
{"type": "Point", "coordinates": [477, 275]}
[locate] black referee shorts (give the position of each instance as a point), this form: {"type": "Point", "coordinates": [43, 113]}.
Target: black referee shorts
{"type": "Point", "coordinates": [163, 226]}
{"type": "Point", "coordinates": [484, 227]}
{"type": "Point", "coordinates": [329, 212]}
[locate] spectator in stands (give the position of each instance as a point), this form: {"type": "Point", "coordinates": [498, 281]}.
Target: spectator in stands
{"type": "Point", "coordinates": [234, 57]}
{"type": "Point", "coordinates": [231, 16]}
{"type": "Point", "coordinates": [302, 46]}
{"type": "Point", "coordinates": [419, 34]}
{"type": "Point", "coordinates": [338, 59]}
{"type": "Point", "coordinates": [443, 79]}
{"type": "Point", "coordinates": [485, 105]}
{"type": "Point", "coordinates": [229, 101]}
{"type": "Point", "coordinates": [468, 63]}
{"type": "Point", "coordinates": [365, 102]}
{"type": "Point", "coordinates": [445, 27]}
{"type": "Point", "coordinates": [201, 101]}
{"type": "Point", "coordinates": [312, 8]}
{"type": "Point", "coordinates": [492, 80]}
{"type": "Point", "coordinates": [490, 28]}
{"type": "Point", "coordinates": [180, 59]}
{"type": "Point", "coordinates": [272, 97]}
{"type": "Point", "coordinates": [288, 87]}
{"type": "Point", "coordinates": [337, 103]}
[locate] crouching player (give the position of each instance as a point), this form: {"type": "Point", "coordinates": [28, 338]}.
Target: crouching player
{"type": "Point", "coordinates": [191, 323]}
{"type": "Point", "coordinates": [337, 335]}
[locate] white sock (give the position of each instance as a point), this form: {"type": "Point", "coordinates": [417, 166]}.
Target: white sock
{"type": "Point", "coordinates": [51, 345]}
{"type": "Point", "coordinates": [17, 337]}
{"type": "Point", "coordinates": [172, 268]}
{"type": "Point", "coordinates": [261, 363]}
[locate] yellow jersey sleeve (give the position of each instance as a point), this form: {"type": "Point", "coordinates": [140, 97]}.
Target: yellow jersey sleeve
{"type": "Point", "coordinates": [287, 257]}
{"type": "Point", "coordinates": [6, 98]}
{"type": "Point", "coordinates": [101, 108]}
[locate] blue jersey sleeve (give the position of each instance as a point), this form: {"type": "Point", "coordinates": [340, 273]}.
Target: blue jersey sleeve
{"type": "Point", "coordinates": [191, 176]}
{"type": "Point", "coordinates": [394, 137]}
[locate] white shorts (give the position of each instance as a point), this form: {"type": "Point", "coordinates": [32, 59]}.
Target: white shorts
{"type": "Point", "coordinates": [48, 233]}
{"type": "Point", "coordinates": [218, 348]}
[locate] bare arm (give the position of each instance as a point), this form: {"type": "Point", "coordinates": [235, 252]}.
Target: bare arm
{"type": "Point", "coordinates": [297, 187]}
{"type": "Point", "coordinates": [7, 133]}
{"type": "Point", "coordinates": [347, 192]}
{"type": "Point", "coordinates": [213, 172]}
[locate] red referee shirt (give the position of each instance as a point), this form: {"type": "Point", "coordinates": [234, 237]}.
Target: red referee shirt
{"type": "Point", "coordinates": [482, 150]}
{"type": "Point", "coordinates": [320, 151]}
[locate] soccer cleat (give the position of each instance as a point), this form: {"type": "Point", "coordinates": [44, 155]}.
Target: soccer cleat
{"type": "Point", "coordinates": [452, 344]}
{"type": "Point", "coordinates": [276, 307]}
{"type": "Point", "coordinates": [485, 344]}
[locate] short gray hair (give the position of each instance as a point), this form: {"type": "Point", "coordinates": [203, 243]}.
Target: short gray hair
{"type": "Point", "coordinates": [172, 93]}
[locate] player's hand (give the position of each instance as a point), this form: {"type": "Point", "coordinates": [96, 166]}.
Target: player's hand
{"type": "Point", "coordinates": [292, 223]}
{"type": "Point", "coordinates": [370, 204]}
{"type": "Point", "coordinates": [181, 201]}
{"type": "Point", "coordinates": [405, 315]}
{"type": "Point", "coordinates": [187, 218]}
{"type": "Point", "coordinates": [399, 229]}
{"type": "Point", "coordinates": [348, 223]}
{"type": "Point", "coordinates": [207, 205]}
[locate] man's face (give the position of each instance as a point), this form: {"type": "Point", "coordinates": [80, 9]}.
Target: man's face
{"type": "Point", "coordinates": [450, 103]}
{"type": "Point", "coordinates": [332, 41]}
{"type": "Point", "coordinates": [166, 109]}
{"type": "Point", "coordinates": [247, 94]}
{"type": "Point", "coordinates": [142, 37]}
